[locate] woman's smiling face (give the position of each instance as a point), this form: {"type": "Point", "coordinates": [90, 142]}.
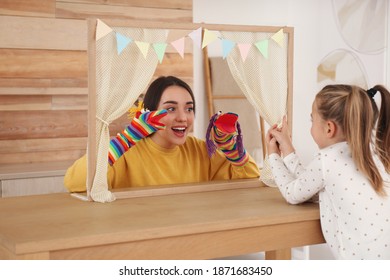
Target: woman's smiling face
{"type": "Point", "coordinates": [180, 118]}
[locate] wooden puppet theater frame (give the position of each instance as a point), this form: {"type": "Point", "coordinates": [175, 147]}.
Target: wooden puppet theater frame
{"type": "Point", "coordinates": [98, 124]}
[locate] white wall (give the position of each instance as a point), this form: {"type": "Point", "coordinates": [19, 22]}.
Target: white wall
{"type": "Point", "coordinates": [316, 34]}
{"type": "Point", "coordinates": [303, 16]}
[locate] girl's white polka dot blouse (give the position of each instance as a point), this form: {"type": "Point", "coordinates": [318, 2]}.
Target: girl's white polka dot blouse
{"type": "Point", "coordinates": [355, 220]}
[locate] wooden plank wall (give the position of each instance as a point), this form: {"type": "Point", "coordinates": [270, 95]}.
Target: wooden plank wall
{"type": "Point", "coordinates": [43, 71]}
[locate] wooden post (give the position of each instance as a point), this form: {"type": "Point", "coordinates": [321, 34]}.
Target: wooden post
{"type": "Point", "coordinates": [207, 81]}
{"type": "Point", "coordinates": [91, 151]}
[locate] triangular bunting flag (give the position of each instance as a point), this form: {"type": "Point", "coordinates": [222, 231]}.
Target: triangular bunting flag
{"type": "Point", "coordinates": [262, 46]}
{"type": "Point", "coordinates": [208, 37]}
{"type": "Point", "coordinates": [227, 47]}
{"type": "Point", "coordinates": [244, 50]}
{"type": "Point", "coordinates": [122, 42]}
{"type": "Point", "coordinates": [159, 48]}
{"type": "Point", "coordinates": [179, 46]}
{"type": "Point", "coordinates": [196, 37]}
{"type": "Point", "coordinates": [278, 37]}
{"type": "Point", "coordinates": [102, 29]}
{"type": "Point", "coordinates": [144, 47]}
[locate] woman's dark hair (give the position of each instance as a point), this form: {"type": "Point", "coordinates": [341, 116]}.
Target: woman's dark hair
{"type": "Point", "coordinates": [158, 86]}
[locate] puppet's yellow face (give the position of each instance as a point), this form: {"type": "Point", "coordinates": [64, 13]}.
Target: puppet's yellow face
{"type": "Point", "coordinates": [180, 118]}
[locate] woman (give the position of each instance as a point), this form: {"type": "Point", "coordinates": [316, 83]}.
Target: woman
{"type": "Point", "coordinates": [155, 149]}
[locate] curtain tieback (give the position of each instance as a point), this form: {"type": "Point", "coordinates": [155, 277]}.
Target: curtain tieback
{"type": "Point", "coordinates": [103, 121]}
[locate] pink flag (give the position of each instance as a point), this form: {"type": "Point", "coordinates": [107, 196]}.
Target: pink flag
{"type": "Point", "coordinates": [196, 37]}
{"type": "Point", "coordinates": [179, 46]}
{"type": "Point", "coordinates": [244, 50]}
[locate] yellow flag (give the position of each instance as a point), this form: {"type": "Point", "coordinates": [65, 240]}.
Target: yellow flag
{"type": "Point", "coordinates": [102, 29]}
{"type": "Point", "coordinates": [208, 37]}
{"type": "Point", "coordinates": [278, 37]}
{"type": "Point", "coordinates": [144, 47]}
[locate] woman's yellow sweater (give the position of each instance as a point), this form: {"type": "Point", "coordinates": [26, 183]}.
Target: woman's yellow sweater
{"type": "Point", "coordinates": [147, 164]}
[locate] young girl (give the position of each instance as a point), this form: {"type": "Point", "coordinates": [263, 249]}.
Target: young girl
{"type": "Point", "coordinates": [350, 172]}
{"type": "Point", "coordinates": [155, 149]}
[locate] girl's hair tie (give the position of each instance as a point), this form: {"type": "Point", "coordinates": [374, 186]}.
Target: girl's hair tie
{"type": "Point", "coordinates": [371, 92]}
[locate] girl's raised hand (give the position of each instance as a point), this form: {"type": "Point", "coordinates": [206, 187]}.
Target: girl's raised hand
{"type": "Point", "coordinates": [283, 138]}
{"type": "Point", "coordinates": [272, 144]}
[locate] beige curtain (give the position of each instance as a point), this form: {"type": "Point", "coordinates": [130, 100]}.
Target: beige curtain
{"type": "Point", "coordinates": [262, 80]}
{"type": "Point", "coordinates": [120, 79]}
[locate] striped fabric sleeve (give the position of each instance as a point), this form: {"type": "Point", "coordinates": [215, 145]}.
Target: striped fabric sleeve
{"type": "Point", "coordinates": [227, 143]}
{"type": "Point", "coordinates": [226, 134]}
{"type": "Point", "coordinates": [140, 127]}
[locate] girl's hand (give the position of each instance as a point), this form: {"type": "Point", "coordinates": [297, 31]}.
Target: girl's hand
{"type": "Point", "coordinates": [283, 138]}
{"type": "Point", "coordinates": [272, 144]}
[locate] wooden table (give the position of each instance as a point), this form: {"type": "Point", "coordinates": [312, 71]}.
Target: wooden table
{"type": "Point", "coordinates": [198, 222]}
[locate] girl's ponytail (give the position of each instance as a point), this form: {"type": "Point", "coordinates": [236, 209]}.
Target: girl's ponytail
{"type": "Point", "coordinates": [359, 119]}
{"type": "Point", "coordinates": [382, 137]}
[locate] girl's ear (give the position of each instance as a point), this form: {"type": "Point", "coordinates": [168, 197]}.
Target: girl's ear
{"type": "Point", "coordinates": [331, 129]}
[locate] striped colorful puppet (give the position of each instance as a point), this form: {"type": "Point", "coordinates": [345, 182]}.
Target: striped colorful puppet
{"type": "Point", "coordinates": [224, 133]}
{"type": "Point", "coordinates": [142, 125]}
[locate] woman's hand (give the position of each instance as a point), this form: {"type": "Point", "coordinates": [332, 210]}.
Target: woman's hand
{"type": "Point", "coordinates": [224, 133]}
{"type": "Point", "coordinates": [141, 126]}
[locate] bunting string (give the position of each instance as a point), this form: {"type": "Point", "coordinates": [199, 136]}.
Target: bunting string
{"type": "Point", "coordinates": [209, 36]}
